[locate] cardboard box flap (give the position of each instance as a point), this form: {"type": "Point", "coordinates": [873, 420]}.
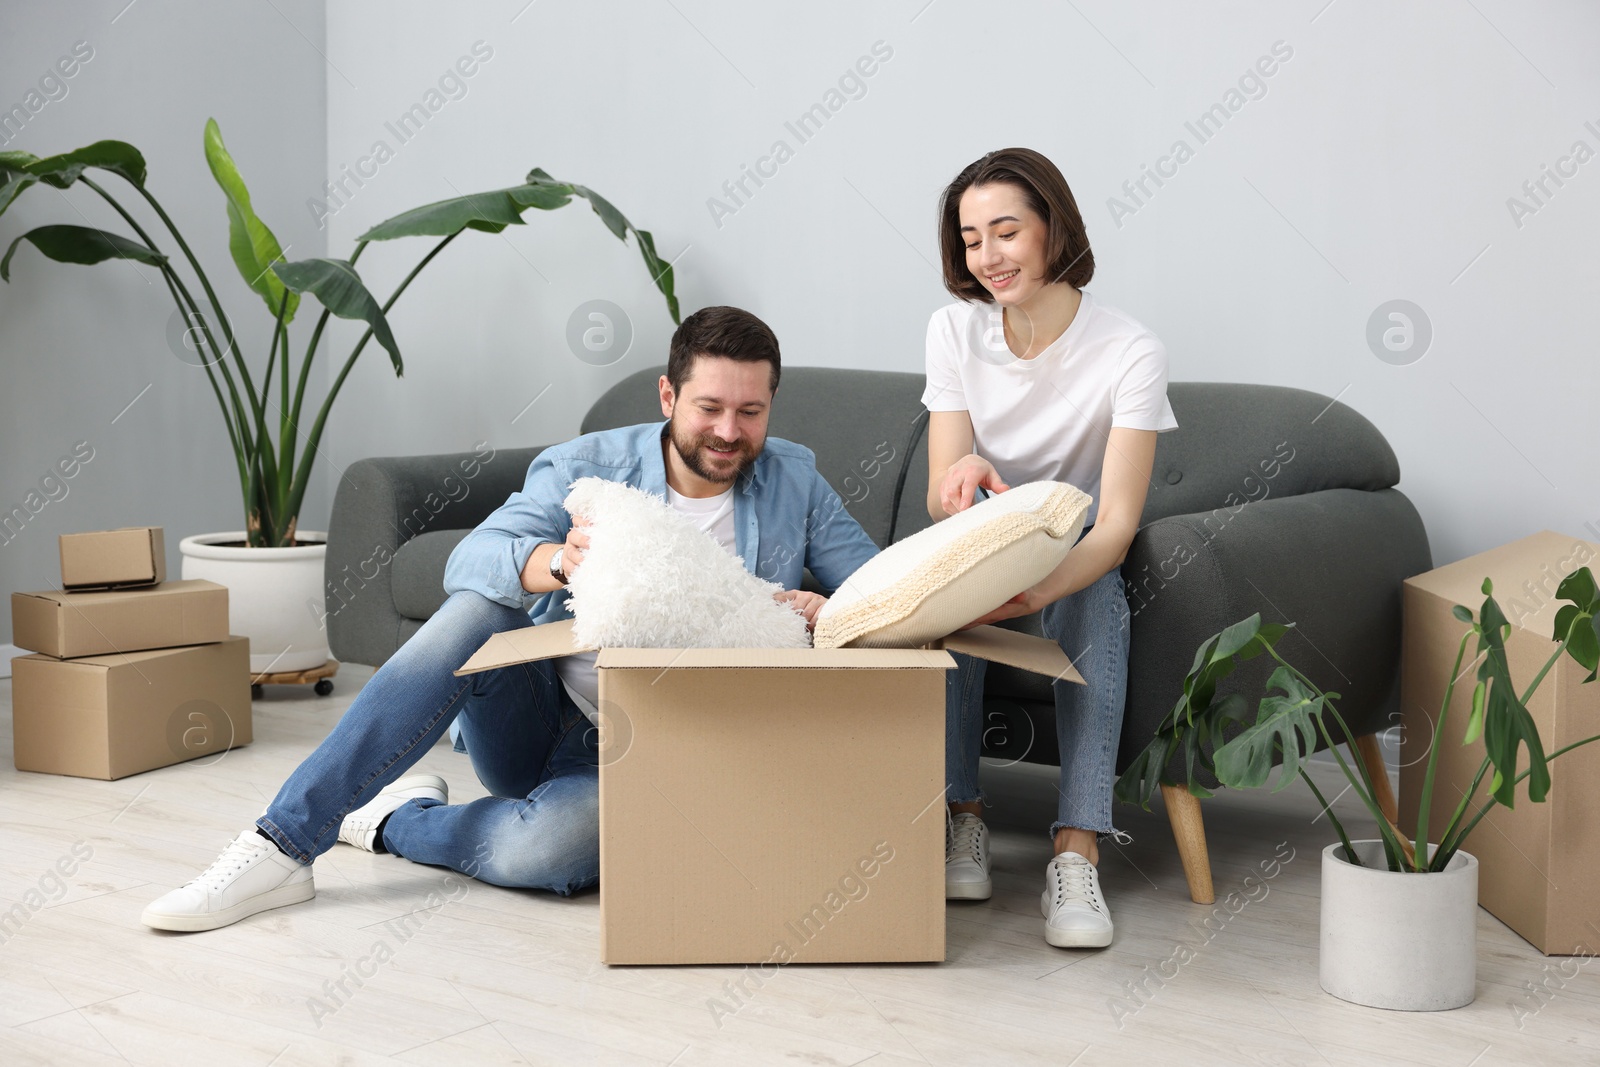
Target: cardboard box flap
{"type": "Point", "coordinates": [526, 645]}
{"type": "Point", "coordinates": [1023, 651]}
{"type": "Point", "coordinates": [775, 658]}
{"type": "Point", "coordinates": [1525, 575]}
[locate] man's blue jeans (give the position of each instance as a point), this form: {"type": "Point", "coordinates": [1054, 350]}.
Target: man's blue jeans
{"type": "Point", "coordinates": [1091, 626]}
{"type": "Point", "coordinates": [529, 744]}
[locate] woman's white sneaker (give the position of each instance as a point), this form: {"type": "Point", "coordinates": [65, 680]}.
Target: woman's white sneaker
{"type": "Point", "coordinates": [251, 875]}
{"type": "Point", "coordinates": [966, 858]}
{"type": "Point", "coordinates": [1075, 912]}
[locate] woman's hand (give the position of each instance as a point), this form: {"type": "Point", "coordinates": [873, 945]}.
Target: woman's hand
{"type": "Point", "coordinates": [1024, 603]}
{"type": "Point", "coordinates": [963, 480]}
{"type": "Point", "coordinates": [807, 604]}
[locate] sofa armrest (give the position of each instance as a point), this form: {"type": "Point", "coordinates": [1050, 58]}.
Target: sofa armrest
{"type": "Point", "coordinates": [1332, 562]}
{"type": "Point", "coordinates": [379, 506]}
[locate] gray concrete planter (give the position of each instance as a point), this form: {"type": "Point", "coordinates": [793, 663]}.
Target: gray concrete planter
{"type": "Point", "coordinates": [1403, 941]}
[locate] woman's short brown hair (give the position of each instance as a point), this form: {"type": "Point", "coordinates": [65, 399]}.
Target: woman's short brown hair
{"type": "Point", "coordinates": [728, 332]}
{"type": "Point", "coordinates": [1047, 195]}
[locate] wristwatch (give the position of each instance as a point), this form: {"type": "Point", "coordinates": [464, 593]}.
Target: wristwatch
{"type": "Point", "coordinates": [555, 565]}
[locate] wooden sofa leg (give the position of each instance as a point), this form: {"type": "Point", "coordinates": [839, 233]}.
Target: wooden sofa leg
{"type": "Point", "coordinates": [1183, 811]}
{"type": "Point", "coordinates": [1368, 751]}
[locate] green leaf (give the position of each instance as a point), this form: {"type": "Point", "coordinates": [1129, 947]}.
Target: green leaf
{"type": "Point", "coordinates": [255, 250]}
{"type": "Point", "coordinates": [489, 212]}
{"type": "Point", "coordinates": [1508, 726]}
{"type": "Point", "coordinates": [1285, 720]}
{"type": "Point", "coordinates": [1462, 613]}
{"type": "Point", "coordinates": [1268, 637]}
{"type": "Point", "coordinates": [80, 244]}
{"type": "Point", "coordinates": [496, 209]}
{"type": "Point", "coordinates": [1475, 720]}
{"type": "Point", "coordinates": [14, 177]}
{"type": "Point", "coordinates": [1235, 637]}
{"type": "Point", "coordinates": [1579, 587]}
{"type": "Point", "coordinates": [61, 171]}
{"type": "Point", "coordinates": [336, 283]}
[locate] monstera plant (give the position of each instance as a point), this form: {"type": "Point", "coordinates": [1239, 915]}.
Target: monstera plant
{"type": "Point", "coordinates": [274, 450]}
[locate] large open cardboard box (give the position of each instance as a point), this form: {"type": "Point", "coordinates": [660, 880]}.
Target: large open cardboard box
{"type": "Point", "coordinates": [770, 806]}
{"type": "Point", "coordinates": [1538, 863]}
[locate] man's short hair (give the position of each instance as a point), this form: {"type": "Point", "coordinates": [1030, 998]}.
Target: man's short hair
{"type": "Point", "coordinates": [726, 332]}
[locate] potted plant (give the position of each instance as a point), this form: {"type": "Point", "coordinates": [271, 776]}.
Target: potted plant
{"type": "Point", "coordinates": [1399, 916]}
{"type": "Point", "coordinates": [271, 567]}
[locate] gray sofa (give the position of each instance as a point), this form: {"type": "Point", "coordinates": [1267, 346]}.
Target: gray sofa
{"type": "Point", "coordinates": [1265, 499]}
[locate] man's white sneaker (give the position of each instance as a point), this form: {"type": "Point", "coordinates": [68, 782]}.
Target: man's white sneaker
{"type": "Point", "coordinates": [251, 875]}
{"type": "Point", "coordinates": [360, 827]}
{"type": "Point", "coordinates": [966, 858]}
{"type": "Point", "coordinates": [1075, 913]}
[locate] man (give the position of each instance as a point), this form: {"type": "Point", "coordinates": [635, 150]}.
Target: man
{"type": "Point", "coordinates": [525, 727]}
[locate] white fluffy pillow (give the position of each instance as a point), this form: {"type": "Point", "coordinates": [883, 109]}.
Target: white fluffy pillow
{"type": "Point", "coordinates": [651, 579]}
{"type": "Point", "coordinates": [941, 578]}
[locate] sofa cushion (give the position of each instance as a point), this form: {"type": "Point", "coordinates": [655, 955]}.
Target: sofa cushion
{"type": "Point", "coordinates": [652, 579]}
{"type": "Point", "coordinates": [417, 572]}
{"type": "Point", "coordinates": [941, 578]}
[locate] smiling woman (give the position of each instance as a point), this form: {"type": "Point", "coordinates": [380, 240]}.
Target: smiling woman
{"type": "Point", "coordinates": [1032, 379]}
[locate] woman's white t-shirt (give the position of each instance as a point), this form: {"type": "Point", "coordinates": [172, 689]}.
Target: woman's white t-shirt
{"type": "Point", "coordinates": [1048, 418]}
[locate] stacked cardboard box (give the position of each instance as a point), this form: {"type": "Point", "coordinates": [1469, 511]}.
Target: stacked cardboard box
{"type": "Point", "coordinates": [130, 672]}
{"type": "Point", "coordinates": [1537, 863]}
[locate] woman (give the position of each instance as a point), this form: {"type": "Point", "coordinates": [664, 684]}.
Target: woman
{"type": "Point", "coordinates": [1030, 378]}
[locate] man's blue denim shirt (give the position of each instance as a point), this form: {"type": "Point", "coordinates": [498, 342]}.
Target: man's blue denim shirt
{"type": "Point", "coordinates": [786, 517]}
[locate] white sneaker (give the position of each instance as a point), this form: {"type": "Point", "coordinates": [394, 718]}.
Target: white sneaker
{"type": "Point", "coordinates": [360, 827]}
{"type": "Point", "coordinates": [1075, 913]}
{"type": "Point", "coordinates": [251, 875]}
{"type": "Point", "coordinates": [966, 858]}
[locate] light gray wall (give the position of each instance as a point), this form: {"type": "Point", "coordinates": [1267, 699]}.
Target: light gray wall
{"type": "Point", "coordinates": [1376, 166]}
{"type": "Point", "coordinates": [79, 344]}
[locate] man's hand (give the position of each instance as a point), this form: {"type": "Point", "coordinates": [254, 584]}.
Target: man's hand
{"type": "Point", "coordinates": [1024, 603]}
{"type": "Point", "coordinates": [807, 604]}
{"type": "Point", "coordinates": [577, 544]}
{"type": "Point", "coordinates": [963, 480]}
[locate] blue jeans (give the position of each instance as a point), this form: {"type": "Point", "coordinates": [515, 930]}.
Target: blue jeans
{"type": "Point", "coordinates": [529, 744]}
{"type": "Point", "coordinates": [1091, 626]}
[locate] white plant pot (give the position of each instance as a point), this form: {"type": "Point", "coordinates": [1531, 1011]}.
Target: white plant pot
{"type": "Point", "coordinates": [1395, 940]}
{"type": "Point", "coordinates": [274, 595]}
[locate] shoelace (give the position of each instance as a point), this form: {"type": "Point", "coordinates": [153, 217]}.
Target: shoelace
{"type": "Point", "coordinates": [233, 858]}
{"type": "Point", "coordinates": [1075, 882]}
{"type": "Point", "coordinates": [964, 837]}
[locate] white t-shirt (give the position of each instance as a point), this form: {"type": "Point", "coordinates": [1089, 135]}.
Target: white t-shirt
{"type": "Point", "coordinates": [712, 515]}
{"type": "Point", "coordinates": [1048, 418]}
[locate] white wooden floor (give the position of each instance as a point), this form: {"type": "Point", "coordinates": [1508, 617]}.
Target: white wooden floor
{"type": "Point", "coordinates": [502, 976]}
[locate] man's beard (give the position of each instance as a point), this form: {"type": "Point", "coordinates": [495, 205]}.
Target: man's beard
{"type": "Point", "coordinates": [691, 449]}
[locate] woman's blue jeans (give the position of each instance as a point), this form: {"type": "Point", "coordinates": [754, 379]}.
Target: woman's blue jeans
{"type": "Point", "coordinates": [529, 744]}
{"type": "Point", "coordinates": [1091, 626]}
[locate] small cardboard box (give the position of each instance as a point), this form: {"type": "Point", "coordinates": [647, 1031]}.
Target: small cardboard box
{"type": "Point", "coordinates": [112, 716]}
{"type": "Point", "coordinates": [109, 559]}
{"type": "Point", "coordinates": [1538, 863]}
{"type": "Point", "coordinates": [65, 624]}
{"type": "Point", "coordinates": [769, 806]}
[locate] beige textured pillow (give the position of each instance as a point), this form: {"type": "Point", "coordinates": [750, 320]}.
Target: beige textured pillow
{"type": "Point", "coordinates": [941, 578]}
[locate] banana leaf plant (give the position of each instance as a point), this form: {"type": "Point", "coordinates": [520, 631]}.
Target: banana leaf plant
{"type": "Point", "coordinates": [274, 455]}
{"type": "Point", "coordinates": [1239, 746]}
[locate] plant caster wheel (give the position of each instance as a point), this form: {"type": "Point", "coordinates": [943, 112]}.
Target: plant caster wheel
{"type": "Point", "coordinates": [319, 678]}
